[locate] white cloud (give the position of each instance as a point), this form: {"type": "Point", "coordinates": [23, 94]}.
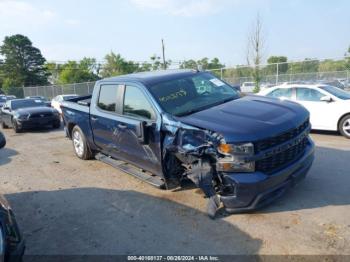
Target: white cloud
{"type": "Point", "coordinates": [72, 22]}
{"type": "Point", "coordinates": [14, 13]}
{"type": "Point", "coordinates": [187, 8]}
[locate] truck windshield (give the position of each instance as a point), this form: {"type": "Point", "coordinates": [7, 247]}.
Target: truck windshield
{"type": "Point", "coordinates": [187, 95]}
{"type": "Point", "coordinates": [336, 92]}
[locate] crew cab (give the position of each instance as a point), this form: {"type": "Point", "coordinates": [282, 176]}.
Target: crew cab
{"type": "Point", "coordinates": [168, 126]}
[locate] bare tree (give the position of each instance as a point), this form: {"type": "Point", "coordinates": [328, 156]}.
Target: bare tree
{"type": "Point", "coordinates": [255, 48]}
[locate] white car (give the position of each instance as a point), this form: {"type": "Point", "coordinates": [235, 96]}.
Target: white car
{"type": "Point", "coordinates": [56, 101]}
{"type": "Point", "coordinates": [329, 106]}
{"type": "Point", "coordinates": [247, 87]}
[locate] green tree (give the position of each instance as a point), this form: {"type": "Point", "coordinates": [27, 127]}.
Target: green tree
{"type": "Point", "coordinates": [347, 64]}
{"type": "Point", "coordinates": [189, 64]}
{"type": "Point", "coordinates": [23, 64]}
{"type": "Point", "coordinates": [282, 65]}
{"type": "Point", "coordinates": [330, 65]}
{"type": "Point", "coordinates": [116, 65]}
{"type": "Point", "coordinates": [74, 72]}
{"type": "Point", "coordinates": [215, 64]}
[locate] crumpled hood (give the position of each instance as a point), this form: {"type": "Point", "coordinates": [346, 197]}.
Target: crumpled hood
{"type": "Point", "coordinates": [249, 118]}
{"type": "Point", "coordinates": [31, 110]}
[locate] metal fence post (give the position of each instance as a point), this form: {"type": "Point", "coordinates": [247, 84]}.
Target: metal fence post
{"type": "Point", "coordinates": [221, 73]}
{"type": "Point", "coordinates": [74, 88]}
{"type": "Point", "coordinates": [277, 72]}
{"type": "Point", "coordinates": [88, 88]}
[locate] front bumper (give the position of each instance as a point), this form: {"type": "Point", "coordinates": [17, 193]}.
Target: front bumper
{"type": "Point", "coordinates": [255, 190]}
{"type": "Point", "coordinates": [38, 122]}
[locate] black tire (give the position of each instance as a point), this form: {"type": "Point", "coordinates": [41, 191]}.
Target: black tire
{"type": "Point", "coordinates": [2, 140]}
{"type": "Point", "coordinates": [80, 145]}
{"type": "Point", "coordinates": [344, 126]}
{"type": "Point", "coordinates": [15, 126]}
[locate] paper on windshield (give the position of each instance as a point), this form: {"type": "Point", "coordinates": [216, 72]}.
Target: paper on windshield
{"type": "Point", "coordinates": [217, 82]}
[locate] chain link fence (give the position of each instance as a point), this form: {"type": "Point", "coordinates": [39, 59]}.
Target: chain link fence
{"type": "Point", "coordinates": [54, 90]}
{"type": "Point", "coordinates": [344, 76]}
{"type": "Point", "coordinates": [308, 70]}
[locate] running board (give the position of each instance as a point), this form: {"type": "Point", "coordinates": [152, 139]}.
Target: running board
{"type": "Point", "coordinates": [132, 170]}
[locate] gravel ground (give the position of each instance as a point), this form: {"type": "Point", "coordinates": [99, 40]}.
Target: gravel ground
{"type": "Point", "coordinates": [68, 206]}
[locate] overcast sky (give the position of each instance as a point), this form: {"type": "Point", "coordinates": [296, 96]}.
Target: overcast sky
{"type": "Point", "coordinates": [72, 29]}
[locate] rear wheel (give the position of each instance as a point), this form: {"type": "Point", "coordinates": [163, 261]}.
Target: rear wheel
{"type": "Point", "coordinates": [80, 145]}
{"type": "Point", "coordinates": [344, 126]}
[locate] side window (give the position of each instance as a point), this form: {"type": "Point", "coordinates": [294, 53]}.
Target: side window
{"type": "Point", "coordinates": [281, 92]}
{"type": "Point", "coordinates": [307, 94]}
{"type": "Point", "coordinates": [136, 104]}
{"type": "Point", "coordinates": [108, 98]}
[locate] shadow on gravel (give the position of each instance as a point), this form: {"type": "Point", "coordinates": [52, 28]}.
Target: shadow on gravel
{"type": "Point", "coordinates": [6, 154]}
{"type": "Point", "coordinates": [104, 221]}
{"type": "Point", "coordinates": [327, 184]}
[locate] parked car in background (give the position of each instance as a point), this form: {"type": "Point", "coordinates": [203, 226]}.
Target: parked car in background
{"type": "Point", "coordinates": [329, 106]}
{"type": "Point", "coordinates": [35, 97]}
{"type": "Point", "coordinates": [44, 99]}
{"type": "Point", "coordinates": [12, 245]}
{"type": "Point", "coordinates": [57, 101]}
{"type": "Point", "coordinates": [162, 127]}
{"type": "Point", "coordinates": [3, 100]}
{"type": "Point", "coordinates": [335, 83]}
{"type": "Point", "coordinates": [28, 113]}
{"type": "Point", "coordinates": [10, 97]}
{"type": "Point", "coordinates": [248, 87]}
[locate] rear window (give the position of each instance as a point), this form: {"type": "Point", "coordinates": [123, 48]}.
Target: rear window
{"type": "Point", "coordinates": [108, 98]}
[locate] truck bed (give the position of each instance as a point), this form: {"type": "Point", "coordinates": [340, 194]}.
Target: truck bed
{"type": "Point", "coordinates": [81, 103]}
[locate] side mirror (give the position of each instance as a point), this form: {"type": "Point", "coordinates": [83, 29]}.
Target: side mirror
{"type": "Point", "coordinates": [327, 99]}
{"type": "Point", "coordinates": [6, 108]}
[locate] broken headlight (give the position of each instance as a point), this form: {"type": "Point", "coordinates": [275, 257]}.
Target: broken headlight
{"type": "Point", "coordinates": [232, 162]}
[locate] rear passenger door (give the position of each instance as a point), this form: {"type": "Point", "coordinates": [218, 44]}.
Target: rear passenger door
{"type": "Point", "coordinates": [138, 109]}
{"type": "Point", "coordinates": [104, 118]}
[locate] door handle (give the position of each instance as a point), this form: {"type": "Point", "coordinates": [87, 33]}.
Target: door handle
{"type": "Point", "coordinates": [93, 118]}
{"type": "Point", "coordinates": [122, 126]}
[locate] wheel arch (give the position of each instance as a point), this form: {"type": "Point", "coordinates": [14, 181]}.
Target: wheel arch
{"type": "Point", "coordinates": [341, 118]}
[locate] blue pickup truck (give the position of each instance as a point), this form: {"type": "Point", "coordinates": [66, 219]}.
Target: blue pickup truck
{"type": "Point", "coordinates": [173, 126]}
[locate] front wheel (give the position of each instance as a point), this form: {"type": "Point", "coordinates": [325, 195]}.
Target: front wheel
{"type": "Point", "coordinates": [80, 145]}
{"type": "Point", "coordinates": [15, 126]}
{"type": "Point", "coordinates": [344, 126]}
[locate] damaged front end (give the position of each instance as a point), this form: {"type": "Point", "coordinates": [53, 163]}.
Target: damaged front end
{"type": "Point", "coordinates": [200, 155]}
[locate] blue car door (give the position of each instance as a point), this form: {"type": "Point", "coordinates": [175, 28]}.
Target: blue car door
{"type": "Point", "coordinates": [104, 118]}
{"type": "Point", "coordinates": [139, 115]}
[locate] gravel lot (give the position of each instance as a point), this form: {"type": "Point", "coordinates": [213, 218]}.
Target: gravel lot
{"type": "Point", "coordinates": [68, 206]}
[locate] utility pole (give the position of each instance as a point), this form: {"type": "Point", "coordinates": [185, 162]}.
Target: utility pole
{"type": "Point", "coordinates": [163, 51]}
